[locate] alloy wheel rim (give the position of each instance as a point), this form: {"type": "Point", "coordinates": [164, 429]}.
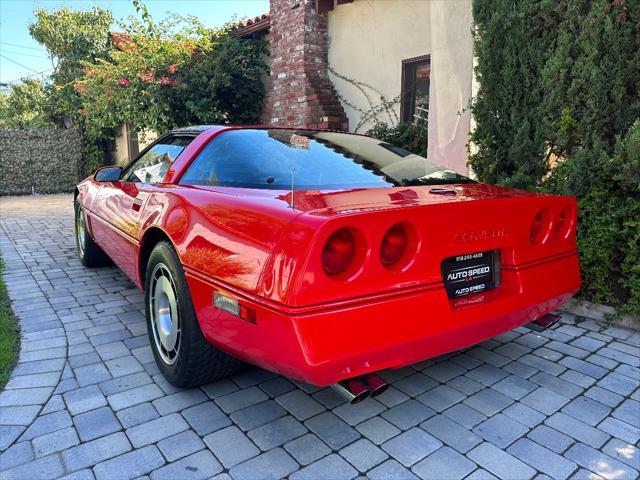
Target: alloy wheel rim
{"type": "Point", "coordinates": [165, 318]}
{"type": "Point", "coordinates": [81, 230]}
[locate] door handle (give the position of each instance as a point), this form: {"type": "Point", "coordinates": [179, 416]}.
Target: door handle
{"type": "Point", "coordinates": [137, 204]}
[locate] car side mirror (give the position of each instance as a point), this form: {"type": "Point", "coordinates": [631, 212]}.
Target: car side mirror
{"type": "Point", "coordinates": [108, 174]}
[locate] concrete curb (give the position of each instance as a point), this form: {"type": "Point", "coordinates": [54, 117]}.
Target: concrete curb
{"type": "Point", "coordinates": [600, 313]}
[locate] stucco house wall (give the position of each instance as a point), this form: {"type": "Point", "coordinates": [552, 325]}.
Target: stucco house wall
{"type": "Point", "coordinates": [451, 84]}
{"type": "Point", "coordinates": [120, 155]}
{"type": "Point", "coordinates": [129, 144]}
{"type": "Point", "coordinates": [368, 39]}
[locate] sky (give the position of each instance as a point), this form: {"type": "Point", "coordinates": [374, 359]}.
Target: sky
{"type": "Point", "coordinates": [22, 56]}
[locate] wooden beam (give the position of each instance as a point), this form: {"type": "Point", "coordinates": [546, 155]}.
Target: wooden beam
{"type": "Point", "coordinates": [323, 6]}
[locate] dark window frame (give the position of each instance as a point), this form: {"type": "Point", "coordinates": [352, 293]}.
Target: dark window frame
{"type": "Point", "coordinates": [407, 97]}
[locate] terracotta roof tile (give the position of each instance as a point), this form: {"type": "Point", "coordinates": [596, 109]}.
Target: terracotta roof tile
{"type": "Point", "coordinates": [252, 25]}
{"type": "Point", "coordinates": [119, 39]}
{"type": "Point", "coordinates": [249, 26]}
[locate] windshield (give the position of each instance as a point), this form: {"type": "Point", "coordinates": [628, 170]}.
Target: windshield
{"type": "Point", "coordinates": [277, 158]}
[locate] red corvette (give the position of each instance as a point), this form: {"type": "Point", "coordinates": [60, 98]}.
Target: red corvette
{"type": "Point", "coordinates": [319, 255]}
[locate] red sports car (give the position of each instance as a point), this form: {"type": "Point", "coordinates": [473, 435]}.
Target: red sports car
{"type": "Point", "coordinates": [320, 255]}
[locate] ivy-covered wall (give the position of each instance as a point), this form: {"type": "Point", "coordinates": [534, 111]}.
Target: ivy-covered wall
{"type": "Point", "coordinates": [39, 160]}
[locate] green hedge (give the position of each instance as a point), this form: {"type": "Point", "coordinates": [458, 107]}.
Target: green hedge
{"type": "Point", "coordinates": [608, 189]}
{"type": "Point", "coordinates": [557, 110]}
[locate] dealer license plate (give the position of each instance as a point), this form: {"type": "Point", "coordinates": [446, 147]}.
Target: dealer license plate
{"type": "Point", "coordinates": [471, 273]}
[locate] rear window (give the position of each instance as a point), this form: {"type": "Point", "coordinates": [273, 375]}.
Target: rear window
{"type": "Point", "coordinates": [278, 159]}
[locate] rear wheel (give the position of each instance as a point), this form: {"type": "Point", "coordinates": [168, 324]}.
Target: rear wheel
{"type": "Point", "coordinates": [89, 253]}
{"type": "Point", "coordinates": [183, 355]}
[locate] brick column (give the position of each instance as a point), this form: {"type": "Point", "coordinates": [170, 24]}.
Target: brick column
{"type": "Point", "coordinates": [301, 93]}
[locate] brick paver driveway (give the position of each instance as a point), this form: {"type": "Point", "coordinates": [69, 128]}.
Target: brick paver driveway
{"type": "Point", "coordinates": [86, 398]}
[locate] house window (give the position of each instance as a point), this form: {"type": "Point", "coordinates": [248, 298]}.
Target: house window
{"type": "Point", "coordinates": [415, 89]}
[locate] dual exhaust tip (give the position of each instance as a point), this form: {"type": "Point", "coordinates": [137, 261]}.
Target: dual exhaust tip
{"type": "Point", "coordinates": [354, 390]}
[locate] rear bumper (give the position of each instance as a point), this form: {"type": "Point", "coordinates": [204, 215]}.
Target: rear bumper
{"type": "Point", "coordinates": [325, 346]}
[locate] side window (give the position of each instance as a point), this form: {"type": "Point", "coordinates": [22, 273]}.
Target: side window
{"type": "Point", "coordinates": [152, 166]}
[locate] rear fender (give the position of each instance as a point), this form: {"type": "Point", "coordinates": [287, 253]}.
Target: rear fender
{"type": "Point", "coordinates": [227, 238]}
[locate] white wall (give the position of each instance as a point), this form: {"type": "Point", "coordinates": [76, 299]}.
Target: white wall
{"type": "Point", "coordinates": [368, 39]}
{"type": "Point", "coordinates": [121, 153]}
{"type": "Point", "coordinates": [451, 83]}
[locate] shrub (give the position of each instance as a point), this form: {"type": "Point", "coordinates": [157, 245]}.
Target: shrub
{"type": "Point", "coordinates": [555, 77]}
{"type": "Point", "coordinates": [608, 190]}
{"type": "Point", "coordinates": [405, 135]}
{"type": "Point", "coordinates": [164, 80]}
{"type": "Point", "coordinates": [25, 107]}
{"type": "Point", "coordinates": [161, 75]}
{"type": "Point", "coordinates": [560, 85]}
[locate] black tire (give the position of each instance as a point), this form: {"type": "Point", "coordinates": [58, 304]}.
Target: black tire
{"type": "Point", "coordinates": [89, 253]}
{"type": "Point", "coordinates": [194, 361]}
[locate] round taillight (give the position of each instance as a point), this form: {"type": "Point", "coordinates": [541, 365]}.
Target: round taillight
{"type": "Point", "coordinates": [393, 246]}
{"type": "Point", "coordinates": [339, 251]}
{"type": "Point", "coordinates": [563, 223]}
{"type": "Point", "coordinates": [540, 226]}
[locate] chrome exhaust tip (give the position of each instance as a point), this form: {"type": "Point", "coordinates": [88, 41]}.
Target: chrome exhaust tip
{"type": "Point", "coordinates": [375, 384]}
{"type": "Point", "coordinates": [352, 390]}
{"type": "Point", "coordinates": [544, 322]}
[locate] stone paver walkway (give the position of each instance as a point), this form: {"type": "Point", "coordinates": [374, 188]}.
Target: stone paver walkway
{"type": "Point", "coordinates": [86, 399]}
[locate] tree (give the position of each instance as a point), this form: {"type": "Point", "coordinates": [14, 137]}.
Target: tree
{"type": "Point", "coordinates": [173, 74]}
{"type": "Point", "coordinates": [25, 107]}
{"type": "Point", "coordinates": [71, 38]}
{"type": "Point", "coordinates": [512, 41]}
{"type": "Point", "coordinates": [167, 74]}
{"type": "Point", "coordinates": [223, 83]}
{"type": "Point", "coordinates": [555, 77]}
{"type": "Point", "coordinates": [558, 109]}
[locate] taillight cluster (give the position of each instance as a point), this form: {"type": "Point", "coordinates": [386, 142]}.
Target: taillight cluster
{"type": "Point", "coordinates": [564, 222]}
{"type": "Point", "coordinates": [393, 245]}
{"type": "Point", "coordinates": [545, 227]}
{"type": "Point", "coordinates": [398, 246]}
{"type": "Point", "coordinates": [339, 252]}
{"type": "Point", "coordinates": [345, 250]}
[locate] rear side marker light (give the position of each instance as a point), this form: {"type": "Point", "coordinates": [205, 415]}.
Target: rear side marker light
{"type": "Point", "coordinates": [234, 307]}
{"type": "Point", "coordinates": [339, 252]}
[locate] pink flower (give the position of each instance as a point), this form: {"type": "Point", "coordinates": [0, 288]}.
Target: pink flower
{"type": "Point", "coordinates": [123, 82]}
{"type": "Point", "coordinates": [85, 70]}
{"type": "Point", "coordinates": [79, 87]}
{"type": "Point", "coordinates": [166, 81]}
{"type": "Point", "coordinates": [172, 68]}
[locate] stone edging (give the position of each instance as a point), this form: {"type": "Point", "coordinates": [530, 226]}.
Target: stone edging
{"type": "Point", "coordinates": [600, 313]}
